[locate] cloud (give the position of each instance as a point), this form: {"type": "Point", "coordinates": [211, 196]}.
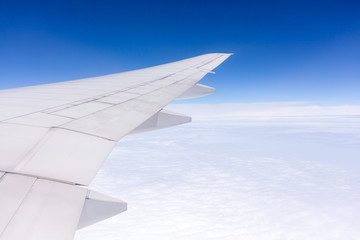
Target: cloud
{"type": "Point", "coordinates": [238, 172]}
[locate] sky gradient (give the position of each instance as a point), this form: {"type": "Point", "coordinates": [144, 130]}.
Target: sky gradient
{"type": "Point", "coordinates": [284, 50]}
{"type": "Point", "coordinates": [241, 170]}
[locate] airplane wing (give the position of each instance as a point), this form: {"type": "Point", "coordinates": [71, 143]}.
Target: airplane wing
{"type": "Point", "coordinates": [55, 137]}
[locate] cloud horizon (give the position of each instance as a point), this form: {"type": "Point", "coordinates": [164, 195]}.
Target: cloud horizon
{"type": "Point", "coordinates": [229, 175]}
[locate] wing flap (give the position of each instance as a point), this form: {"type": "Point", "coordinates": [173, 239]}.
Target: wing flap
{"type": "Point", "coordinates": [39, 209]}
{"type": "Point", "coordinates": [75, 160]}
{"type": "Point", "coordinates": [16, 141]}
{"type": "Point", "coordinates": [13, 190]}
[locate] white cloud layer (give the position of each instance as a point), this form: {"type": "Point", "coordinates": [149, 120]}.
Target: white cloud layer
{"type": "Point", "coordinates": [239, 171]}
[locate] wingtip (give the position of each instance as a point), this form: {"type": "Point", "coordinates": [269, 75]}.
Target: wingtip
{"type": "Point", "coordinates": [218, 53]}
{"type": "Point", "coordinates": [226, 54]}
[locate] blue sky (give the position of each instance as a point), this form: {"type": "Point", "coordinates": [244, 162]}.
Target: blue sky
{"type": "Point", "coordinates": [284, 50]}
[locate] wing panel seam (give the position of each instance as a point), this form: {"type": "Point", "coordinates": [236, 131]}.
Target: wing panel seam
{"type": "Point", "coordinates": [19, 206]}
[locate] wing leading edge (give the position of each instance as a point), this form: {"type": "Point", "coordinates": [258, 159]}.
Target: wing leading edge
{"type": "Point", "coordinates": [56, 136]}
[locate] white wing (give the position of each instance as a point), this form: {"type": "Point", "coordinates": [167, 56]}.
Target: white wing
{"type": "Point", "coordinates": [56, 136]}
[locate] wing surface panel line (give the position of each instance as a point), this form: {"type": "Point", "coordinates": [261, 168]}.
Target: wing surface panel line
{"type": "Point", "coordinates": [18, 207]}
{"type": "Point", "coordinates": [114, 92]}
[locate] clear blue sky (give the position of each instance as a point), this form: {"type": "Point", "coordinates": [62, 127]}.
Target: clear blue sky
{"type": "Point", "coordinates": [284, 50]}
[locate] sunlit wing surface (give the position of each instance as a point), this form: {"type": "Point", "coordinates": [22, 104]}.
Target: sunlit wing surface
{"type": "Point", "coordinates": [56, 136]}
